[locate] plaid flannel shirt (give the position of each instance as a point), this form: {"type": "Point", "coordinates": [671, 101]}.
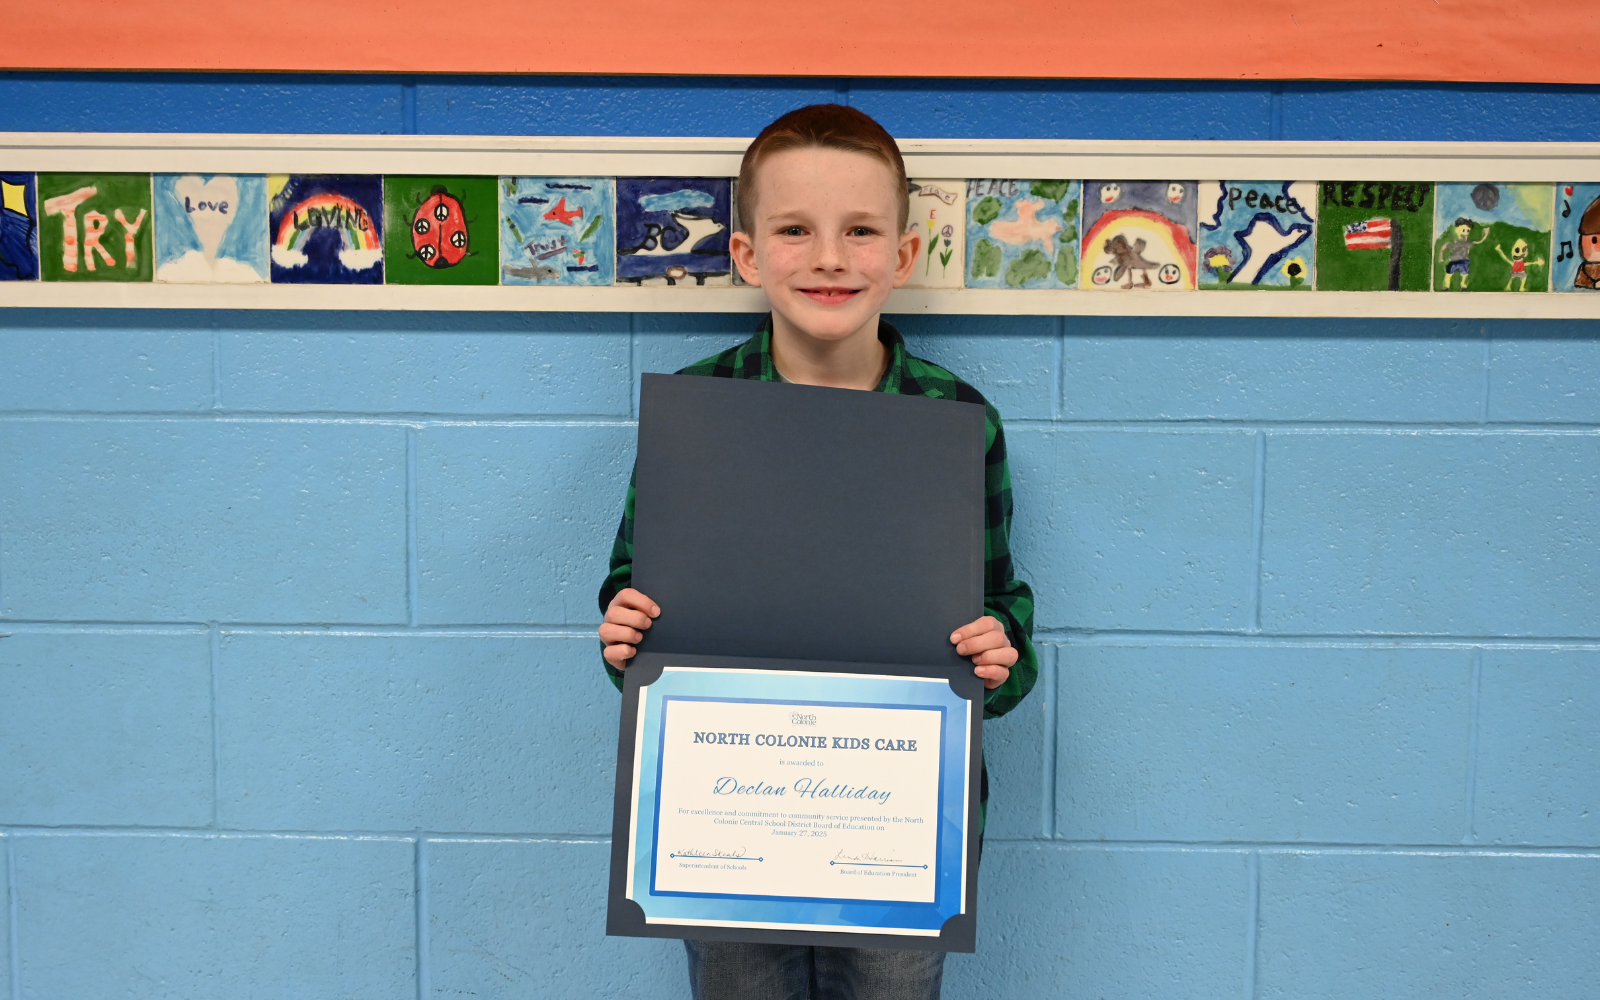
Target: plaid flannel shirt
{"type": "Point", "coordinates": [1005, 597]}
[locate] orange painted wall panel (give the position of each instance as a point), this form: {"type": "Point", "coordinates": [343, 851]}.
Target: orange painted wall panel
{"type": "Point", "coordinates": [1462, 40]}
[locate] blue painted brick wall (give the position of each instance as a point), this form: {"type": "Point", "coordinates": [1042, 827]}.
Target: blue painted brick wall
{"type": "Point", "coordinates": [298, 690]}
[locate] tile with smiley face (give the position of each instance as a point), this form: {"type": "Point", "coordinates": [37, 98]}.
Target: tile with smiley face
{"type": "Point", "coordinates": [1492, 237]}
{"type": "Point", "coordinates": [19, 228]}
{"type": "Point", "coordinates": [939, 216]}
{"type": "Point", "coordinates": [1374, 235]}
{"type": "Point", "coordinates": [1139, 235]}
{"type": "Point", "coordinates": [210, 228]}
{"type": "Point", "coordinates": [1257, 234]}
{"type": "Point", "coordinates": [1022, 233]}
{"type": "Point", "coordinates": [1576, 266]}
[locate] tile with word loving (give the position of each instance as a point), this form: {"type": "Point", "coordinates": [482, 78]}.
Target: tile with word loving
{"type": "Point", "coordinates": [441, 231]}
{"type": "Point", "coordinates": [210, 228]}
{"type": "Point", "coordinates": [326, 230]}
{"type": "Point", "coordinates": [19, 228]}
{"type": "Point", "coordinates": [673, 230]}
{"type": "Point", "coordinates": [557, 231]}
{"type": "Point", "coordinates": [939, 216]}
{"type": "Point", "coordinates": [1577, 238]}
{"type": "Point", "coordinates": [1492, 237]}
{"type": "Point", "coordinates": [1257, 234]}
{"type": "Point", "coordinates": [95, 227]}
{"type": "Point", "coordinates": [1374, 236]}
{"type": "Point", "coordinates": [1139, 235]}
{"type": "Point", "coordinates": [1022, 234]}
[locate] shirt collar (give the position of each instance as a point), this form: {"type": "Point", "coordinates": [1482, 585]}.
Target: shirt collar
{"type": "Point", "coordinates": [893, 375]}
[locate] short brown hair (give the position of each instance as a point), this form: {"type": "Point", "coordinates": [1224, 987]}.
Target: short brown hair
{"type": "Point", "coordinates": [831, 126]}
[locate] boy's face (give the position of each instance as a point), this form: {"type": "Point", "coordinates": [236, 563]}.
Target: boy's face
{"type": "Point", "coordinates": [825, 244]}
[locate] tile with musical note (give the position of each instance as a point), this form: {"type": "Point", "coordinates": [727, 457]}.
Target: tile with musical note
{"type": "Point", "coordinates": [1491, 237]}
{"type": "Point", "coordinates": [1577, 238]}
{"type": "Point", "coordinates": [1374, 236]}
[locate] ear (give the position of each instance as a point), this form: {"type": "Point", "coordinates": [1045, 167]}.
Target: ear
{"type": "Point", "coordinates": [743, 251]}
{"type": "Point", "coordinates": [907, 254]}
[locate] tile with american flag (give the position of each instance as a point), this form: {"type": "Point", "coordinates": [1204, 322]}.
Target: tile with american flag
{"type": "Point", "coordinates": [1374, 236]}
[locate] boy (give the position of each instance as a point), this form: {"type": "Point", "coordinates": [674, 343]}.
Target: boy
{"type": "Point", "coordinates": [823, 203]}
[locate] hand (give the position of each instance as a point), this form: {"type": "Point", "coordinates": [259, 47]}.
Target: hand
{"type": "Point", "coordinates": [626, 619]}
{"type": "Point", "coordinates": [985, 642]}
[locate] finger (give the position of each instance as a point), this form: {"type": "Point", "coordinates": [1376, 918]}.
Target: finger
{"type": "Point", "coordinates": [1006, 657]}
{"type": "Point", "coordinates": [619, 655]}
{"type": "Point", "coordinates": [630, 598]}
{"type": "Point", "coordinates": [982, 642]}
{"type": "Point", "coordinates": [629, 617]}
{"type": "Point", "coordinates": [993, 677]}
{"type": "Point", "coordinates": [610, 633]}
{"type": "Point", "coordinates": [987, 623]}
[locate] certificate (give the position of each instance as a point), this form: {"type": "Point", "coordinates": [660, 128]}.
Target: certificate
{"type": "Point", "coordinates": [796, 802]}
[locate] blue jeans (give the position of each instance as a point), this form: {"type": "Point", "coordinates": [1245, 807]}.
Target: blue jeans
{"type": "Point", "coordinates": [725, 970]}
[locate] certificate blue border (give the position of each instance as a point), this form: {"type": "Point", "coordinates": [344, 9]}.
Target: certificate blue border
{"type": "Point", "coordinates": [799, 687]}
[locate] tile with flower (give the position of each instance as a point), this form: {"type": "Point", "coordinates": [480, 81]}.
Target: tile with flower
{"type": "Point", "coordinates": [1257, 234]}
{"type": "Point", "coordinates": [939, 217]}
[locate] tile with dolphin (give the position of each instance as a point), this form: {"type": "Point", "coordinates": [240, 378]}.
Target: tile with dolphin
{"type": "Point", "coordinates": [210, 228]}
{"type": "Point", "coordinates": [1022, 233]}
{"type": "Point", "coordinates": [557, 231]}
{"type": "Point", "coordinates": [1577, 238]}
{"type": "Point", "coordinates": [95, 227]}
{"type": "Point", "coordinates": [673, 230]}
{"type": "Point", "coordinates": [1257, 234]}
{"type": "Point", "coordinates": [1492, 237]}
{"type": "Point", "coordinates": [939, 216]}
{"type": "Point", "coordinates": [326, 229]}
{"type": "Point", "coordinates": [441, 230]}
{"type": "Point", "coordinates": [19, 227]}
{"type": "Point", "coordinates": [1139, 235]}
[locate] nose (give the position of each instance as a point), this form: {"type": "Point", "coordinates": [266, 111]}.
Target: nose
{"type": "Point", "coordinates": [830, 252]}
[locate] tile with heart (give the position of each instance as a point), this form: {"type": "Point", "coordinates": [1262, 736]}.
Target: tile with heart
{"type": "Point", "coordinates": [1577, 238]}
{"type": "Point", "coordinates": [1022, 233]}
{"type": "Point", "coordinates": [1492, 237]}
{"type": "Point", "coordinates": [557, 231]}
{"type": "Point", "coordinates": [19, 227]}
{"type": "Point", "coordinates": [673, 230]}
{"type": "Point", "coordinates": [1374, 236]}
{"type": "Point", "coordinates": [211, 228]}
{"type": "Point", "coordinates": [939, 216]}
{"type": "Point", "coordinates": [326, 229]}
{"type": "Point", "coordinates": [1139, 235]}
{"type": "Point", "coordinates": [95, 227]}
{"type": "Point", "coordinates": [440, 230]}
{"type": "Point", "coordinates": [1257, 234]}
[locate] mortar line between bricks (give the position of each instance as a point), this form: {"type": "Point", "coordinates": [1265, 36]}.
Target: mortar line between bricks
{"type": "Point", "coordinates": [424, 974]}
{"type": "Point", "coordinates": [1252, 926]}
{"type": "Point", "coordinates": [216, 365]}
{"type": "Point", "coordinates": [1257, 520]}
{"type": "Point", "coordinates": [1469, 836]}
{"type": "Point", "coordinates": [215, 647]}
{"type": "Point", "coordinates": [13, 913]}
{"type": "Point", "coordinates": [413, 569]}
{"type": "Point", "coordinates": [1488, 355]}
{"type": "Point", "coordinates": [633, 365]}
{"type": "Point", "coordinates": [1047, 793]}
{"type": "Point", "coordinates": [1375, 428]}
{"type": "Point", "coordinates": [1061, 366]}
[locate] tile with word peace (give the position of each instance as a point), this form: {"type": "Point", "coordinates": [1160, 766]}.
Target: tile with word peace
{"type": "Point", "coordinates": [1022, 234]}
{"type": "Point", "coordinates": [1257, 234]}
{"type": "Point", "coordinates": [939, 216]}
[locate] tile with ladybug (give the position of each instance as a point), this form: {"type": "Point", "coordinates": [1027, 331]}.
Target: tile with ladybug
{"type": "Point", "coordinates": [557, 231]}
{"type": "Point", "coordinates": [326, 229]}
{"type": "Point", "coordinates": [673, 230]}
{"type": "Point", "coordinates": [939, 215]}
{"type": "Point", "coordinates": [441, 231]}
{"type": "Point", "coordinates": [1139, 235]}
{"type": "Point", "coordinates": [1577, 238]}
{"type": "Point", "coordinates": [94, 227]}
{"type": "Point", "coordinates": [19, 228]}
{"type": "Point", "coordinates": [1257, 234]}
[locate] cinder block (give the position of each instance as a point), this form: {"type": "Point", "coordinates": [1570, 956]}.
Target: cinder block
{"type": "Point", "coordinates": [206, 917]}
{"type": "Point", "coordinates": [1539, 748]}
{"type": "Point", "coordinates": [1125, 368]}
{"type": "Point", "coordinates": [515, 524]}
{"type": "Point", "coordinates": [1134, 529]}
{"type": "Point", "coordinates": [105, 729]}
{"type": "Point", "coordinates": [527, 919]}
{"type": "Point", "coordinates": [1010, 359]}
{"type": "Point", "coordinates": [1058, 921]}
{"type": "Point", "coordinates": [534, 363]}
{"type": "Point", "coordinates": [1461, 534]}
{"type": "Point", "coordinates": [193, 102]}
{"type": "Point", "coordinates": [1427, 925]}
{"type": "Point", "coordinates": [667, 342]}
{"type": "Point", "coordinates": [1428, 112]}
{"type": "Point", "coordinates": [1015, 747]}
{"type": "Point", "coordinates": [1549, 373]}
{"type": "Point", "coordinates": [1198, 743]}
{"type": "Point", "coordinates": [456, 733]}
{"type": "Point", "coordinates": [192, 521]}
{"type": "Point", "coordinates": [52, 362]}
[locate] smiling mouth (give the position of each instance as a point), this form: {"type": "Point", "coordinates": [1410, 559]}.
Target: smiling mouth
{"type": "Point", "coordinates": [830, 295]}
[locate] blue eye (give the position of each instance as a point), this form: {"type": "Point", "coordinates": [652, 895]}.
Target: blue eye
{"type": "Point", "coordinates": [860, 231]}
{"type": "Point", "coordinates": [794, 231]}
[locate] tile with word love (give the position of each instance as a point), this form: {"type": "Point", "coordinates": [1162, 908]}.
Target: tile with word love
{"type": "Point", "coordinates": [19, 227]}
{"type": "Point", "coordinates": [1257, 234]}
{"type": "Point", "coordinates": [939, 216]}
{"type": "Point", "coordinates": [95, 227]}
{"type": "Point", "coordinates": [441, 230]}
{"type": "Point", "coordinates": [557, 231]}
{"type": "Point", "coordinates": [1577, 238]}
{"type": "Point", "coordinates": [1374, 236]}
{"type": "Point", "coordinates": [1139, 235]}
{"type": "Point", "coordinates": [1492, 237]}
{"type": "Point", "coordinates": [1022, 234]}
{"type": "Point", "coordinates": [326, 230]}
{"type": "Point", "coordinates": [673, 230]}
{"type": "Point", "coordinates": [210, 228]}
